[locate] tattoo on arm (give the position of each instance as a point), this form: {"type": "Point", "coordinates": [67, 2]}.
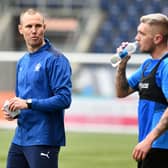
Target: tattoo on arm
{"type": "Point", "coordinates": [122, 79]}
{"type": "Point", "coordinates": [162, 126]}
{"type": "Point", "coordinates": [121, 82]}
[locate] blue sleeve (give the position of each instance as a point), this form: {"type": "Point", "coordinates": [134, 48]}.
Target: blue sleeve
{"type": "Point", "coordinates": [59, 76]}
{"type": "Point", "coordinates": [135, 78]}
{"type": "Point", "coordinates": [162, 77]}
{"type": "Point", "coordinates": [16, 84]}
{"type": "Point", "coordinates": [17, 71]}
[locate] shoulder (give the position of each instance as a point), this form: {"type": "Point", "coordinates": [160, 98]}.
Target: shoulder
{"type": "Point", "coordinates": [146, 63]}
{"type": "Point", "coordinates": [164, 62]}
{"type": "Point", "coordinates": [163, 67]}
{"type": "Point", "coordinates": [56, 55]}
{"type": "Point", "coordinates": [23, 58]}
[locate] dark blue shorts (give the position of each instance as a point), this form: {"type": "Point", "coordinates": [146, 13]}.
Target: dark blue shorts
{"type": "Point", "coordinates": [33, 156]}
{"type": "Point", "coordinates": [156, 158]}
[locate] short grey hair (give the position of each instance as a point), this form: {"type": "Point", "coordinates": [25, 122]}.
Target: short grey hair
{"type": "Point", "coordinates": [30, 11]}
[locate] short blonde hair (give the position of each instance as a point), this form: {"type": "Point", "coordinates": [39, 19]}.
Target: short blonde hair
{"type": "Point", "coordinates": [158, 20]}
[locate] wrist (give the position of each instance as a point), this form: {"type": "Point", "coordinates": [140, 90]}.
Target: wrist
{"type": "Point", "coordinates": [29, 103]}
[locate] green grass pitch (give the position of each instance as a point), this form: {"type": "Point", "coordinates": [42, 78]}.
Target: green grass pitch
{"type": "Point", "coordinates": [87, 150]}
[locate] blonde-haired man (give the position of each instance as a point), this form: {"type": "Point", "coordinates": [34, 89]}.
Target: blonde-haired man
{"type": "Point", "coordinates": [151, 81]}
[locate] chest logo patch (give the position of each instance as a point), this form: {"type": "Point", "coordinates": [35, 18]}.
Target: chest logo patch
{"type": "Point", "coordinates": [143, 86]}
{"type": "Point", "coordinates": [37, 67]}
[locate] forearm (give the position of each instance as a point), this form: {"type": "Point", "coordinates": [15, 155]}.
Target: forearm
{"type": "Point", "coordinates": [121, 83]}
{"type": "Point", "coordinates": [161, 127]}
{"type": "Point", "coordinates": [140, 151]}
{"type": "Point", "coordinates": [52, 104]}
{"type": "Point", "coordinates": [122, 86]}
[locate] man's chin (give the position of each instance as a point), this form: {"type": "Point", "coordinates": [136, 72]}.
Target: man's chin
{"type": "Point", "coordinates": [36, 43]}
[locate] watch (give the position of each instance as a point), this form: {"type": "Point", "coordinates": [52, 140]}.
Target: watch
{"type": "Point", "coordinates": [29, 103]}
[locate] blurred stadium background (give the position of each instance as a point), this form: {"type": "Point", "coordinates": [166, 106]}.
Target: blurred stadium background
{"type": "Point", "coordinates": [88, 32]}
{"type": "Point", "coordinates": [80, 25]}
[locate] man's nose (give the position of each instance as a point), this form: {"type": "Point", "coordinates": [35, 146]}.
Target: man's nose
{"type": "Point", "coordinates": [34, 29]}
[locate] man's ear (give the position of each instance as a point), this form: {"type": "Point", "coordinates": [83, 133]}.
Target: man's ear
{"type": "Point", "coordinates": [45, 27]}
{"type": "Point", "coordinates": [20, 29]}
{"type": "Point", "coordinates": [158, 38]}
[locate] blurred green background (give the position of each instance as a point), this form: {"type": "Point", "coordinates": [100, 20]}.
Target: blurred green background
{"type": "Point", "coordinates": [86, 150]}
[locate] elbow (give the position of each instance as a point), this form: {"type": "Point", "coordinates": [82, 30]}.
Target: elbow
{"type": "Point", "coordinates": [67, 103]}
{"type": "Point", "coordinates": [121, 94]}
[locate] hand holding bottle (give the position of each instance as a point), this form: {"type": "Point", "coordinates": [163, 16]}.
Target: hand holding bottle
{"type": "Point", "coordinates": [12, 114]}
{"type": "Point", "coordinates": [128, 50]}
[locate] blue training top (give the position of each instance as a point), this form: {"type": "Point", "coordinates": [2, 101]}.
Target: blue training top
{"type": "Point", "coordinates": [45, 77]}
{"type": "Point", "coordinates": [150, 112]}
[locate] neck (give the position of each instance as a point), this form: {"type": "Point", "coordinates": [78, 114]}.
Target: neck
{"type": "Point", "coordinates": [32, 49]}
{"type": "Point", "coordinates": [159, 52]}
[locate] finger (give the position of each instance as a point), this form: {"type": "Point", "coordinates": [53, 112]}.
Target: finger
{"type": "Point", "coordinates": [8, 117]}
{"type": "Point", "coordinates": [12, 106]}
{"type": "Point", "coordinates": [134, 154]}
{"type": "Point", "coordinates": [144, 155]}
{"type": "Point", "coordinates": [125, 59]}
{"type": "Point", "coordinates": [124, 44]}
{"type": "Point", "coordinates": [119, 49]}
{"type": "Point", "coordinates": [137, 155]}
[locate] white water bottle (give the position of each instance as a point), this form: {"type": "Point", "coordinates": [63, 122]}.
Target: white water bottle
{"type": "Point", "coordinates": [13, 114]}
{"type": "Point", "coordinates": [128, 50]}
